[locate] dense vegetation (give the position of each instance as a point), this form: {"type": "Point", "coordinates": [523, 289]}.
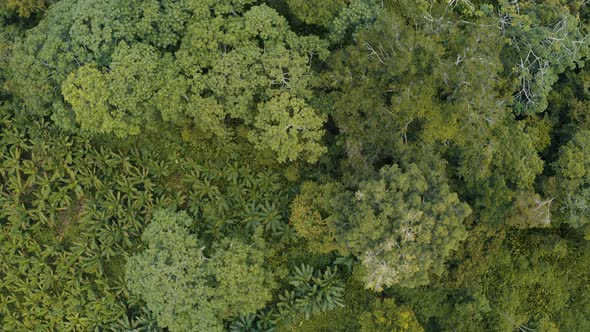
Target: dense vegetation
{"type": "Point", "coordinates": [294, 165]}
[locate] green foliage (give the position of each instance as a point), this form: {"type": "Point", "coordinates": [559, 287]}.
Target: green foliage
{"type": "Point", "coordinates": [188, 291]}
{"type": "Point", "coordinates": [411, 86]}
{"type": "Point", "coordinates": [107, 102]}
{"type": "Point", "coordinates": [544, 41]}
{"type": "Point", "coordinates": [508, 280]}
{"type": "Point", "coordinates": [138, 318]}
{"type": "Point", "coordinates": [402, 226]}
{"type": "Point", "coordinates": [568, 104]}
{"type": "Point", "coordinates": [573, 177]}
{"type": "Point", "coordinates": [76, 210]}
{"type": "Point", "coordinates": [386, 316]}
{"type": "Point", "coordinates": [340, 18]}
{"type": "Point", "coordinates": [123, 68]}
{"type": "Point", "coordinates": [316, 13]}
{"type": "Point", "coordinates": [525, 283]}
{"type": "Point", "coordinates": [449, 309]}
{"type": "Point", "coordinates": [473, 258]}
{"type": "Point", "coordinates": [290, 128]}
{"type": "Point", "coordinates": [341, 165]}
{"type": "Point", "coordinates": [235, 200]}
{"type": "Point", "coordinates": [312, 218]}
{"type": "Point", "coordinates": [357, 15]}
{"type": "Point", "coordinates": [23, 8]}
{"type": "Point", "coordinates": [66, 216]}
{"type": "Point", "coordinates": [313, 291]}
{"type": "Point", "coordinates": [367, 75]}
{"type": "Point", "coordinates": [310, 292]}
{"type": "Point", "coordinates": [530, 210]}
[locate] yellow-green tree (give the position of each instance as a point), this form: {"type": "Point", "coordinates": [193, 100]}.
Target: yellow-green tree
{"type": "Point", "coordinates": [23, 8]}
{"type": "Point", "coordinates": [386, 316]}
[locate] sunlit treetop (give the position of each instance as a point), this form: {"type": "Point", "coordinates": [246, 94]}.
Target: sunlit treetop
{"type": "Point", "coordinates": [121, 67]}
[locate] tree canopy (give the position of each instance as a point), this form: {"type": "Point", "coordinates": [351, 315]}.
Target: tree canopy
{"type": "Point", "coordinates": [294, 165]}
{"type": "Point", "coordinates": [123, 68]}
{"type": "Point", "coordinates": [189, 291]}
